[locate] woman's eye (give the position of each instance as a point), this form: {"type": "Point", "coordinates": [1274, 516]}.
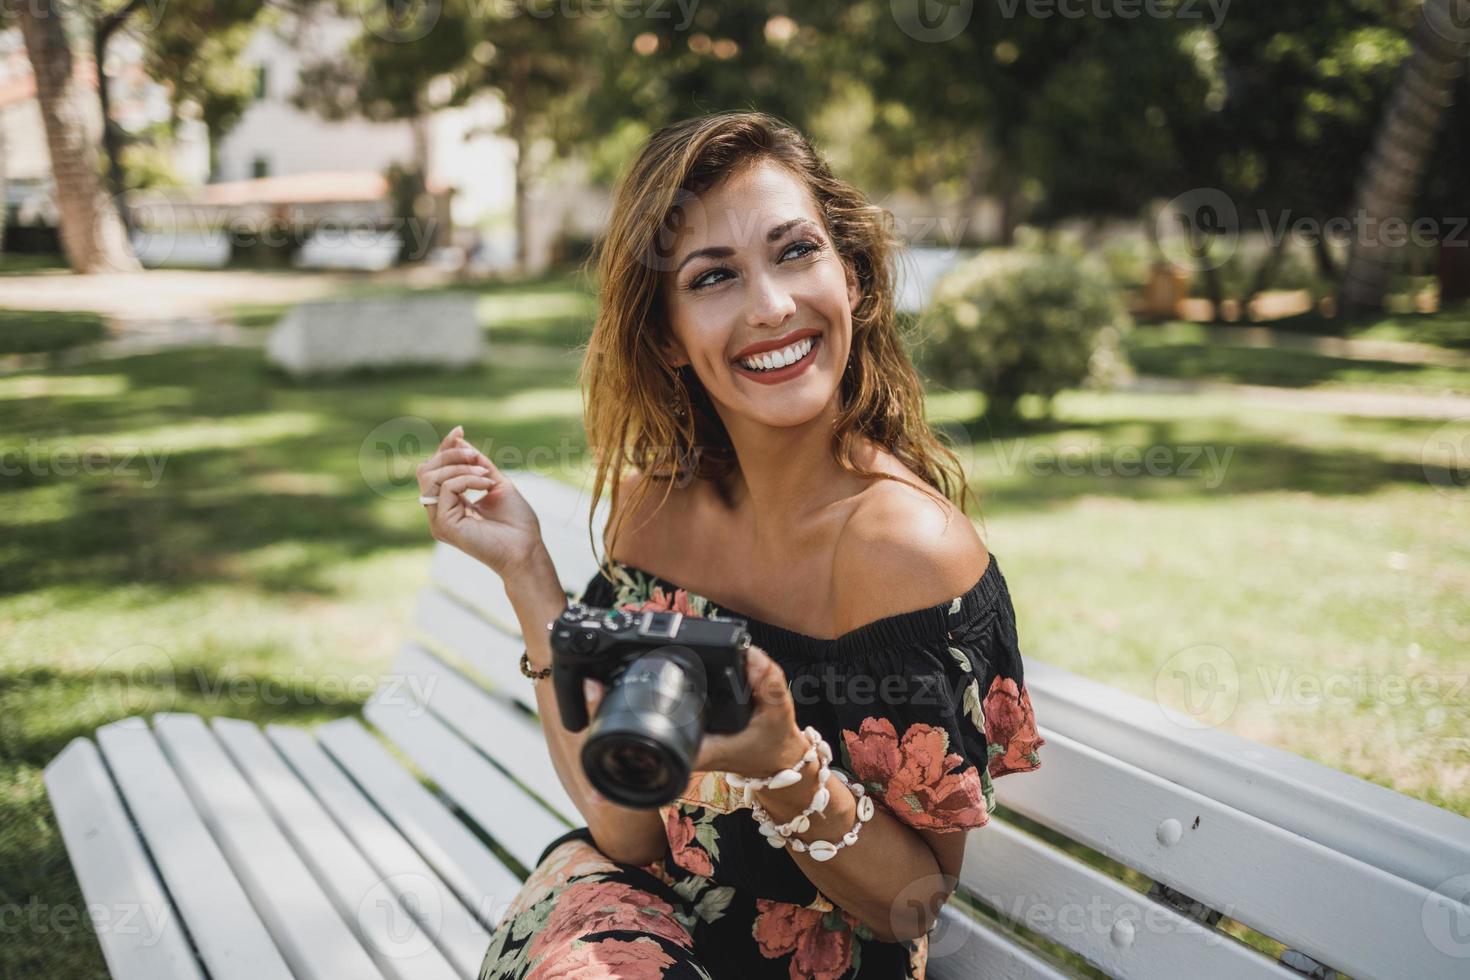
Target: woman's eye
{"type": "Point", "coordinates": [702, 280]}
{"type": "Point", "coordinates": [803, 249]}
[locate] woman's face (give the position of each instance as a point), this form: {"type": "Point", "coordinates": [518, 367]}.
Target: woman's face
{"type": "Point", "coordinates": [755, 268]}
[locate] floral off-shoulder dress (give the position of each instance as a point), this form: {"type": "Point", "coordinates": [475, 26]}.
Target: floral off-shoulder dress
{"type": "Point", "coordinates": [925, 708]}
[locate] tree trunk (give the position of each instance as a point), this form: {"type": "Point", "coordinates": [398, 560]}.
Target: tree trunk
{"type": "Point", "coordinates": [518, 134]}
{"type": "Point", "coordinates": [1402, 147]}
{"type": "Point", "coordinates": [91, 233]}
{"type": "Point", "coordinates": [112, 134]}
{"type": "Point", "coordinates": [1454, 271]}
{"type": "Point", "coordinates": [4, 189]}
{"type": "Point", "coordinates": [1264, 274]}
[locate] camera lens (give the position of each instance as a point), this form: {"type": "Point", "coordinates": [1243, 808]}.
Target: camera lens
{"type": "Point", "coordinates": [636, 765]}
{"type": "Point", "coordinates": [641, 746]}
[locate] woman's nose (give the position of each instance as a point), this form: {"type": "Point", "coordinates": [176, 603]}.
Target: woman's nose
{"type": "Point", "coordinates": [770, 303]}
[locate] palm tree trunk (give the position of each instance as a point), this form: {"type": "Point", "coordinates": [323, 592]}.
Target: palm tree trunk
{"type": "Point", "coordinates": [1402, 147]}
{"type": "Point", "coordinates": [91, 233]}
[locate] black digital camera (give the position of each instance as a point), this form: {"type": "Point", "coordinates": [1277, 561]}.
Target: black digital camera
{"type": "Point", "coordinates": [669, 679]}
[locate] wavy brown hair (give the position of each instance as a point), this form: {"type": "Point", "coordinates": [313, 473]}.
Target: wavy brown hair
{"type": "Point", "coordinates": [629, 390]}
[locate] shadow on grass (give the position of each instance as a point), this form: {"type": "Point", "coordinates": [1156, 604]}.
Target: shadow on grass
{"type": "Point", "coordinates": [1284, 367]}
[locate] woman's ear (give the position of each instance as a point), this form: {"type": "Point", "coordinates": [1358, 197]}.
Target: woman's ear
{"type": "Point", "coordinates": [674, 354]}
{"type": "Point", "coordinates": [854, 291]}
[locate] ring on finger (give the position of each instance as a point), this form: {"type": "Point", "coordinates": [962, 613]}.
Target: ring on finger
{"type": "Point", "coordinates": [426, 501]}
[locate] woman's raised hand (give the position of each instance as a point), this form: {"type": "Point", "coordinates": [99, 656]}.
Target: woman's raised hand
{"type": "Point", "coordinates": [771, 740]}
{"type": "Point", "coordinates": [500, 529]}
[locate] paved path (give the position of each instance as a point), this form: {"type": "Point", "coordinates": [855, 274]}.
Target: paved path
{"type": "Point", "coordinates": [164, 293]}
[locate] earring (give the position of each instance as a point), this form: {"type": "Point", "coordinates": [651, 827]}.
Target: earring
{"type": "Point", "coordinates": [681, 397]}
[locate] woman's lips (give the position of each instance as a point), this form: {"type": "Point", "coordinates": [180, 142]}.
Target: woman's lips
{"type": "Point", "coordinates": [785, 373]}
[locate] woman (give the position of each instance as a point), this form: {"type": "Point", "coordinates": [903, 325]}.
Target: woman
{"type": "Point", "coordinates": [745, 366]}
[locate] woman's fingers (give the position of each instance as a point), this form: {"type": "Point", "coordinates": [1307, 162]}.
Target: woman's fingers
{"type": "Point", "coordinates": [593, 691]}
{"type": "Point", "coordinates": [451, 455]}
{"type": "Point", "coordinates": [478, 456]}
{"type": "Point", "coordinates": [429, 482]}
{"type": "Point", "coordinates": [456, 485]}
{"type": "Point", "coordinates": [767, 679]}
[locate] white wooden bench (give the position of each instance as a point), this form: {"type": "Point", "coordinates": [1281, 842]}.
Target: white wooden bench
{"type": "Point", "coordinates": [218, 849]}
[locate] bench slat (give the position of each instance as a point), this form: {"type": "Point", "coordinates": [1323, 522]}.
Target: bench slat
{"type": "Point", "coordinates": [1230, 861]}
{"type": "Point", "coordinates": [1119, 930]}
{"type": "Point", "coordinates": [561, 508]}
{"type": "Point", "coordinates": [233, 941]}
{"type": "Point", "coordinates": [446, 624]}
{"type": "Point", "coordinates": [1398, 834]}
{"type": "Point", "coordinates": [962, 947]}
{"type": "Point", "coordinates": [499, 730]}
{"type": "Point", "coordinates": [312, 936]}
{"type": "Point", "coordinates": [475, 585]}
{"type": "Point", "coordinates": [391, 936]}
{"type": "Point", "coordinates": [419, 887]}
{"type": "Point", "coordinates": [141, 937]}
{"type": "Point", "coordinates": [516, 821]}
{"type": "Point", "coordinates": [482, 883]}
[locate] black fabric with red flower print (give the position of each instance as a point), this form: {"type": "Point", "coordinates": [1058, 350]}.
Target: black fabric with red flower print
{"type": "Point", "coordinates": [925, 708]}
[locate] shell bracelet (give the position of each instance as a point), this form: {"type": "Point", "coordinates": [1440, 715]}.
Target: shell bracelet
{"type": "Point", "coordinates": [790, 776]}
{"type": "Point", "coordinates": [782, 835]}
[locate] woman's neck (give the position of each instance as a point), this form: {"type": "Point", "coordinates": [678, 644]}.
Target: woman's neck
{"type": "Point", "coordinates": [787, 476]}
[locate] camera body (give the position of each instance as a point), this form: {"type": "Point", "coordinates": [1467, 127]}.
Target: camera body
{"type": "Point", "coordinates": [670, 678]}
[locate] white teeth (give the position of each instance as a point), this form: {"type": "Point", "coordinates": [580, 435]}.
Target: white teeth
{"type": "Point", "coordinates": [780, 358]}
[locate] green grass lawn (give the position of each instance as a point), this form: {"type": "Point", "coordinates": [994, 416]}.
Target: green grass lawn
{"type": "Point", "coordinates": [1182, 350]}
{"type": "Point", "coordinates": [39, 332]}
{"type": "Point", "coordinates": [188, 531]}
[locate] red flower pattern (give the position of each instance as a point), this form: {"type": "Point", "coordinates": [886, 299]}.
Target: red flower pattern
{"type": "Point", "coordinates": [687, 854]}
{"type": "Point", "coordinates": [913, 777]}
{"type": "Point", "coordinates": [606, 959]}
{"type": "Point", "coordinates": [1010, 722]}
{"type": "Point", "coordinates": [601, 906]}
{"type": "Point", "coordinates": [661, 600]}
{"type": "Point", "coordinates": [819, 951]}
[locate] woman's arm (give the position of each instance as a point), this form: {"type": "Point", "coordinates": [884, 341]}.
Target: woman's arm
{"type": "Point", "coordinates": [894, 879]}
{"type": "Point", "coordinates": [623, 834]}
{"type": "Point", "coordinates": [502, 531]}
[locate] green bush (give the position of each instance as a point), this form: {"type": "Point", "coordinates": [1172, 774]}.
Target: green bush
{"type": "Point", "coordinates": [1035, 319]}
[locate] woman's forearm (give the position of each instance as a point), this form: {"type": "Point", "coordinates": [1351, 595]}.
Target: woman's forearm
{"type": "Point", "coordinates": [623, 834]}
{"type": "Point", "coordinates": [877, 879]}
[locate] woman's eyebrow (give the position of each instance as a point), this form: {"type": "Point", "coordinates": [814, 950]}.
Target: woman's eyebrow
{"type": "Point", "coordinates": [725, 251]}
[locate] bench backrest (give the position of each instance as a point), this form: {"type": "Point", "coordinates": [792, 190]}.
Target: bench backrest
{"type": "Point", "coordinates": [1146, 848]}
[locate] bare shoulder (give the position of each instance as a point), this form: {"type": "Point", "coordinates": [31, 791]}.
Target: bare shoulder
{"type": "Point", "coordinates": [901, 550]}
{"type": "Point", "coordinates": [646, 522]}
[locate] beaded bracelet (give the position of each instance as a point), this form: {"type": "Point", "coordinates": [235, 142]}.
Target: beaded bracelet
{"type": "Point", "coordinates": [820, 850]}
{"type": "Point", "coordinates": [790, 776]}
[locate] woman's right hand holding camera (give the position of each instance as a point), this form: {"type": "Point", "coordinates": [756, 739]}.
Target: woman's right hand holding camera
{"type": "Point", "coordinates": [500, 529]}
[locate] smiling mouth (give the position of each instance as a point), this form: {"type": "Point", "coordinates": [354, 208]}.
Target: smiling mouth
{"type": "Point", "coordinates": [774, 361]}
